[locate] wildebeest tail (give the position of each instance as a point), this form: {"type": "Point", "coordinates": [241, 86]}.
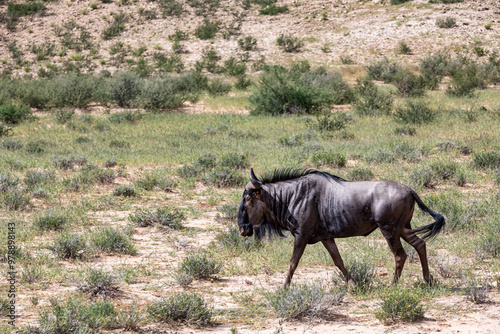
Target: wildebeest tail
{"type": "Point", "coordinates": [428, 232]}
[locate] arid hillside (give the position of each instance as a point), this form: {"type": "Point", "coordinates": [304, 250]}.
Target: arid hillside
{"type": "Point", "coordinates": [106, 35]}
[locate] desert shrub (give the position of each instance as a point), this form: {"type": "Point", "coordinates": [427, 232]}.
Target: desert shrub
{"type": "Point", "coordinates": [14, 199]}
{"type": "Point", "coordinates": [183, 279]}
{"type": "Point", "coordinates": [298, 90]}
{"type": "Point", "coordinates": [37, 177]}
{"type": "Point", "coordinates": [14, 114]}
{"type": "Point", "coordinates": [272, 9]}
{"type": "Point", "coordinates": [409, 84]}
{"type": "Point", "coordinates": [223, 177]}
{"type": "Point", "coordinates": [362, 273]}
{"type": "Point", "coordinates": [446, 22]}
{"type": "Point", "coordinates": [70, 246]}
{"type": "Point", "coordinates": [7, 182]}
{"type": "Point", "coordinates": [465, 79]}
{"type": "Point", "coordinates": [72, 90]}
{"type": "Point", "coordinates": [200, 266]}
{"type": "Point", "coordinates": [168, 63]}
{"type": "Point", "coordinates": [17, 10]}
{"type": "Point", "coordinates": [36, 147]}
{"type": "Point", "coordinates": [218, 87]}
{"type": "Point", "coordinates": [242, 82]}
{"type": "Point", "coordinates": [433, 67]}
{"type": "Point", "coordinates": [155, 180]}
{"type": "Point", "coordinates": [328, 122]}
{"type": "Point", "coordinates": [370, 99]}
{"type": "Point", "coordinates": [63, 116]}
{"type": "Point", "coordinates": [116, 27]}
{"type": "Point", "coordinates": [415, 112]}
{"type": "Point", "coordinates": [12, 144]}
{"type": "Point", "coordinates": [476, 291]}
{"type": "Point", "coordinates": [383, 70]}
{"type": "Point", "coordinates": [400, 305]}
{"type": "Point", "coordinates": [289, 43]}
{"type": "Point", "coordinates": [171, 7]}
{"type": "Point", "coordinates": [166, 93]}
{"type": "Point", "coordinates": [52, 220]}
{"type": "Point", "coordinates": [92, 174]}
{"type": "Point", "coordinates": [403, 48]}
{"type": "Point", "coordinates": [399, 2]}
{"type": "Point", "coordinates": [299, 301]}
{"type": "Point", "coordinates": [445, 1]}
{"type": "Point", "coordinates": [207, 29]}
{"type": "Point", "coordinates": [34, 93]}
{"type": "Point", "coordinates": [329, 158]}
{"type": "Point", "coordinates": [74, 316]}
{"type": "Point", "coordinates": [291, 140]}
{"type": "Point", "coordinates": [99, 283]}
{"type": "Point", "coordinates": [183, 307]}
{"type": "Point", "coordinates": [234, 67]}
{"type": "Point", "coordinates": [487, 159]}
{"type": "Point", "coordinates": [166, 216]}
{"type": "Point", "coordinates": [399, 149]}
{"type": "Point", "coordinates": [247, 43]}
{"type": "Point", "coordinates": [124, 88]}
{"type": "Point", "coordinates": [234, 160]}
{"type": "Point", "coordinates": [360, 174]}
{"type": "Point", "coordinates": [125, 191]}
{"type": "Point", "coordinates": [111, 240]}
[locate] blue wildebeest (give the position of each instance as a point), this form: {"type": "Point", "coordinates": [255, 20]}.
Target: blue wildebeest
{"type": "Point", "coordinates": [317, 206]}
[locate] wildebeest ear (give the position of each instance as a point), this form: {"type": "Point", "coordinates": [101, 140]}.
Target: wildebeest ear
{"type": "Point", "coordinates": [255, 181]}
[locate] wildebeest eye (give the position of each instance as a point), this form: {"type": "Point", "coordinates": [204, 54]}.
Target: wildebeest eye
{"type": "Point", "coordinates": [248, 198]}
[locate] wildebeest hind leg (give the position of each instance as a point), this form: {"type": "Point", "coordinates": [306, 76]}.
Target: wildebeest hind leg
{"type": "Point", "coordinates": [298, 249]}
{"type": "Point", "coordinates": [420, 247]}
{"type": "Point", "coordinates": [331, 246]}
{"type": "Point", "coordinates": [394, 241]}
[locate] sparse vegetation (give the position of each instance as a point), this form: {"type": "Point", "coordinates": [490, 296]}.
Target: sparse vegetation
{"type": "Point", "coordinates": [400, 305]}
{"type": "Point", "coordinates": [187, 308]}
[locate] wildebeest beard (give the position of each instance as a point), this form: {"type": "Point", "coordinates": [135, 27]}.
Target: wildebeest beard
{"type": "Point", "coordinates": [268, 227]}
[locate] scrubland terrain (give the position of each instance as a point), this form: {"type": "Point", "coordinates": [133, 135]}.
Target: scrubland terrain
{"type": "Point", "coordinates": [128, 128]}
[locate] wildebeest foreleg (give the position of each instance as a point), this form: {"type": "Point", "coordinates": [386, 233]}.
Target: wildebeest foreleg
{"type": "Point", "coordinates": [331, 247]}
{"type": "Point", "coordinates": [298, 249]}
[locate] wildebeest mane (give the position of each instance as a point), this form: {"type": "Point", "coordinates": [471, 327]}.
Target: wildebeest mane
{"type": "Point", "coordinates": [290, 173]}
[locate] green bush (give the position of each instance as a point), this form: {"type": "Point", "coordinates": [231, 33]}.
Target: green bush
{"type": "Point", "coordinates": [12, 144]}
{"type": "Point", "coordinates": [99, 283]}
{"type": "Point", "coordinates": [329, 158]}
{"type": "Point", "coordinates": [184, 307]}
{"type": "Point", "coordinates": [489, 159]}
{"type": "Point", "coordinates": [207, 29]}
{"type": "Point", "coordinates": [371, 100]}
{"type": "Point", "coordinates": [415, 112]}
{"type": "Point", "coordinates": [467, 78]}
{"type": "Point", "coordinates": [116, 27]}
{"type": "Point", "coordinates": [247, 43]}
{"type": "Point", "coordinates": [400, 305]}
{"type": "Point", "coordinates": [124, 191]}
{"type": "Point", "coordinates": [406, 130]}
{"type": "Point", "coordinates": [38, 177]}
{"type": "Point", "coordinates": [200, 266]}
{"type": "Point", "coordinates": [72, 90]}
{"type": "Point", "coordinates": [14, 199]}
{"type": "Point", "coordinates": [445, 1]}
{"type": "Point", "coordinates": [383, 70]}
{"type": "Point", "coordinates": [4, 130]}
{"type": "Point", "coordinates": [168, 64]}
{"type": "Point", "coordinates": [23, 9]}
{"type": "Point", "coordinates": [218, 87]}
{"type": "Point", "coordinates": [171, 7]}
{"type": "Point", "coordinates": [289, 43]}
{"type": "Point", "coordinates": [125, 117]}
{"type": "Point", "coordinates": [111, 240]}
{"type": "Point", "coordinates": [399, 2]}
{"type": "Point", "coordinates": [74, 316]}
{"type": "Point", "coordinates": [409, 84]}
{"type": "Point", "coordinates": [52, 220]}
{"type": "Point", "coordinates": [476, 291]}
{"type": "Point", "coordinates": [362, 273]}
{"type": "Point", "coordinates": [446, 22]}
{"type": "Point", "coordinates": [166, 216]}
{"type": "Point", "coordinates": [273, 10]}
{"type": "Point", "coordinates": [124, 88]}
{"type": "Point", "coordinates": [300, 301]}
{"type": "Point", "coordinates": [234, 160]}
{"type": "Point", "coordinates": [34, 93]}
{"type": "Point", "coordinates": [70, 246]}
{"type": "Point", "coordinates": [155, 180]}
{"type": "Point", "coordinates": [298, 90]}
{"type": "Point", "coordinates": [14, 114]}
{"type": "Point", "coordinates": [333, 122]}
{"type": "Point", "coordinates": [223, 177]}
{"type": "Point", "coordinates": [166, 93]}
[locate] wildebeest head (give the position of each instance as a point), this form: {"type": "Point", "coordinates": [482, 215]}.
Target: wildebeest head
{"type": "Point", "coordinates": [252, 213]}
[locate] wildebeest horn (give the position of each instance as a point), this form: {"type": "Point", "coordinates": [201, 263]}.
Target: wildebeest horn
{"type": "Point", "coordinates": [255, 181]}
